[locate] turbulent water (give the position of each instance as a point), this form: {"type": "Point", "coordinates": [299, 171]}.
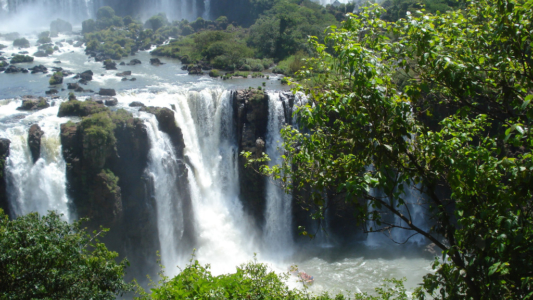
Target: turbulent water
{"type": "Point", "coordinates": [224, 234]}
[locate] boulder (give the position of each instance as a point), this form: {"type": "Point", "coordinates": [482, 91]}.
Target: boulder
{"type": "Point", "coordinates": [111, 102]}
{"type": "Point", "coordinates": [40, 53]}
{"type": "Point", "coordinates": [86, 75]}
{"type": "Point", "coordinates": [33, 103]}
{"type": "Point", "coordinates": [137, 104]}
{"type": "Point", "coordinates": [155, 61]}
{"type": "Point", "coordinates": [122, 63]}
{"type": "Point", "coordinates": [39, 69]}
{"type": "Point", "coordinates": [57, 61]}
{"type": "Point", "coordinates": [73, 86]}
{"type": "Point", "coordinates": [34, 141]}
{"type": "Point", "coordinates": [13, 69]}
{"type": "Point", "coordinates": [107, 92]}
{"type": "Point", "coordinates": [51, 92]}
{"type": "Point", "coordinates": [134, 62]}
{"type": "Point", "coordinates": [133, 79]}
{"type": "Point", "coordinates": [124, 79]}
{"type": "Point", "coordinates": [122, 74]}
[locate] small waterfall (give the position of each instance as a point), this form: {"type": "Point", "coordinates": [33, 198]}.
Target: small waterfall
{"type": "Point", "coordinates": [194, 9]}
{"type": "Point", "coordinates": [38, 187]}
{"type": "Point", "coordinates": [207, 9]}
{"type": "Point", "coordinates": [415, 208]}
{"type": "Point", "coordinates": [278, 216]}
{"type": "Point", "coordinates": [164, 170]}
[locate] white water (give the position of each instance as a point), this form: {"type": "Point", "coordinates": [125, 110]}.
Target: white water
{"type": "Point", "coordinates": [278, 237]}
{"type": "Point", "coordinates": [225, 237]}
{"type": "Point", "coordinates": [163, 169]}
{"type": "Point", "coordinates": [38, 187]}
{"type": "Point", "coordinates": [207, 12]}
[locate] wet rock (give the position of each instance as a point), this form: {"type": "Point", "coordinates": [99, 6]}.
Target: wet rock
{"type": "Point", "coordinates": [167, 124]}
{"type": "Point", "coordinates": [33, 103]}
{"type": "Point", "coordinates": [13, 69]}
{"type": "Point", "coordinates": [39, 69]}
{"type": "Point", "coordinates": [133, 79]}
{"type": "Point", "coordinates": [137, 104]}
{"type": "Point", "coordinates": [86, 75]}
{"type": "Point", "coordinates": [78, 44]}
{"type": "Point", "coordinates": [34, 141]}
{"type": "Point", "coordinates": [122, 63]}
{"type": "Point", "coordinates": [134, 62]}
{"type": "Point", "coordinates": [107, 92]}
{"type": "Point", "coordinates": [124, 79]}
{"type": "Point", "coordinates": [73, 86]}
{"type": "Point", "coordinates": [51, 92]}
{"type": "Point", "coordinates": [40, 53]}
{"type": "Point", "coordinates": [57, 61]}
{"type": "Point", "coordinates": [122, 74]}
{"type": "Point", "coordinates": [4, 153]}
{"type": "Point", "coordinates": [111, 102]}
{"type": "Point", "coordinates": [155, 61]}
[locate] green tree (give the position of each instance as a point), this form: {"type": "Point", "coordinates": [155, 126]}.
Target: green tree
{"type": "Point", "coordinates": [439, 104]}
{"type": "Point", "coordinates": [47, 258]}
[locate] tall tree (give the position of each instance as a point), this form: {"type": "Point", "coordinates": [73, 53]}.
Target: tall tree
{"type": "Point", "coordinates": [438, 104]}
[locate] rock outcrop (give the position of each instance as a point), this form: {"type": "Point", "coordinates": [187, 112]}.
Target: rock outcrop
{"type": "Point", "coordinates": [34, 141]}
{"type": "Point", "coordinates": [33, 103]}
{"type": "Point", "coordinates": [251, 109]}
{"type": "Point", "coordinates": [4, 153]}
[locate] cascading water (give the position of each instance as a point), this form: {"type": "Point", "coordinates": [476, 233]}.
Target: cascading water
{"type": "Point", "coordinates": [164, 170]}
{"type": "Point", "coordinates": [38, 187]}
{"type": "Point", "coordinates": [278, 236]}
{"type": "Point", "coordinates": [224, 234]}
{"type": "Point", "coordinates": [207, 9]}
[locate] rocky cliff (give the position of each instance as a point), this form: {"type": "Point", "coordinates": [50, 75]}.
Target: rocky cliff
{"type": "Point", "coordinates": [4, 153]}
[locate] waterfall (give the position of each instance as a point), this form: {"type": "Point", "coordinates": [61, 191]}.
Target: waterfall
{"type": "Point", "coordinates": [194, 9]}
{"type": "Point", "coordinates": [225, 237]}
{"type": "Point", "coordinates": [38, 187]}
{"type": "Point", "coordinates": [207, 9]}
{"type": "Point", "coordinates": [278, 234]}
{"type": "Point", "coordinates": [164, 170]}
{"type": "Point", "coordinates": [31, 14]}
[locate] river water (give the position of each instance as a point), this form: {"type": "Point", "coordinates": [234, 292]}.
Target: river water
{"type": "Point", "coordinates": [225, 235]}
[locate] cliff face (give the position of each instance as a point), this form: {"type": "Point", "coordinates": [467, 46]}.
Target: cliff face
{"type": "Point", "coordinates": [251, 115]}
{"type": "Point", "coordinates": [4, 153]}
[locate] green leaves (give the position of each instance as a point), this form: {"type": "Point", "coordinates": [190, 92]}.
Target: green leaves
{"type": "Point", "coordinates": [47, 258]}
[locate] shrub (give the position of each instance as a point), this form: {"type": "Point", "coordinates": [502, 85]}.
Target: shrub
{"type": "Point", "coordinates": [88, 26]}
{"type": "Point", "coordinates": [60, 26]}
{"type": "Point", "coordinates": [21, 59]}
{"type": "Point", "coordinates": [105, 12]}
{"type": "Point", "coordinates": [21, 43]}
{"type": "Point", "coordinates": [48, 258]}
{"type": "Point", "coordinates": [214, 73]}
{"type": "Point", "coordinates": [57, 78]}
{"type": "Point", "coordinates": [75, 108]}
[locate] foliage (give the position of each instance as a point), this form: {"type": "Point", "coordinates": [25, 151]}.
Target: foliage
{"type": "Point", "coordinates": [436, 104]}
{"type": "Point", "coordinates": [156, 22]}
{"type": "Point", "coordinates": [21, 43]}
{"type": "Point", "coordinates": [57, 78]}
{"type": "Point", "coordinates": [80, 108]}
{"type": "Point", "coordinates": [47, 258]}
{"type": "Point", "coordinates": [19, 58]}
{"type": "Point", "coordinates": [88, 26]}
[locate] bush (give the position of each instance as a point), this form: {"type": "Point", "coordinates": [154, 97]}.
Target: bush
{"type": "Point", "coordinates": [57, 78]}
{"type": "Point", "coordinates": [21, 43]}
{"type": "Point", "coordinates": [48, 258]}
{"type": "Point", "coordinates": [214, 73]}
{"type": "Point", "coordinates": [88, 26]}
{"type": "Point", "coordinates": [156, 22]}
{"type": "Point", "coordinates": [105, 12]}
{"type": "Point", "coordinates": [75, 108]}
{"type": "Point", "coordinates": [21, 59]}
